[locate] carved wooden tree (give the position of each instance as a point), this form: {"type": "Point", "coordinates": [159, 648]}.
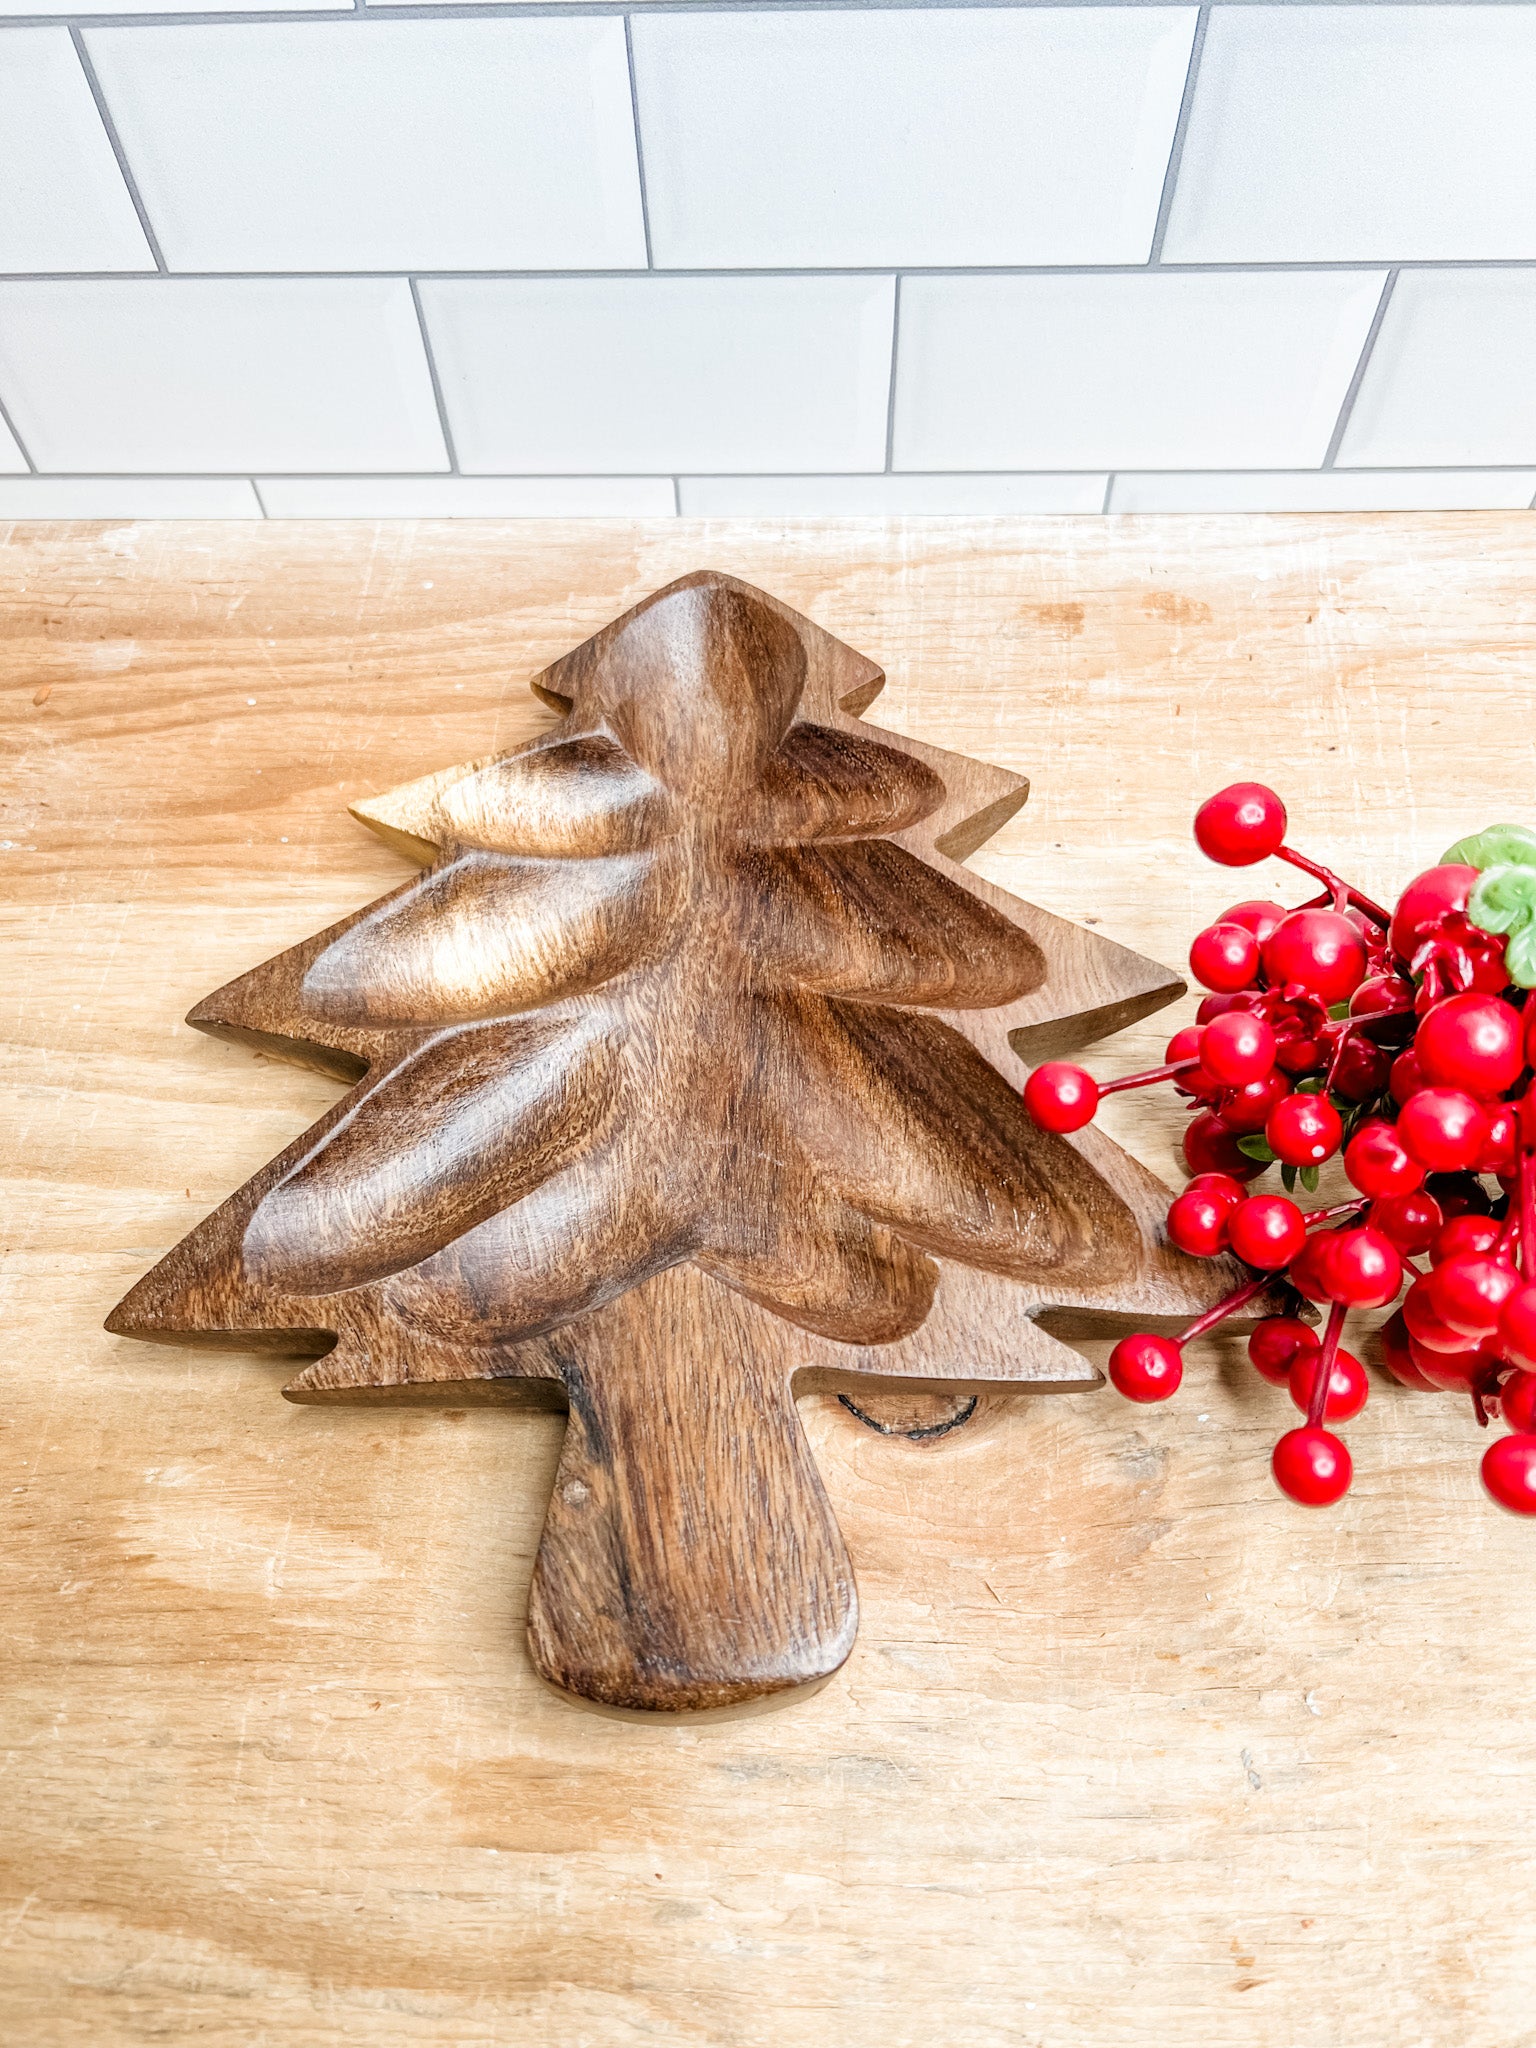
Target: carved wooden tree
{"type": "Point", "coordinates": [679, 1083]}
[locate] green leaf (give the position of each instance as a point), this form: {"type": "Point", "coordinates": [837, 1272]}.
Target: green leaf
{"type": "Point", "coordinates": [1312, 1085]}
{"type": "Point", "coordinates": [1520, 957]}
{"type": "Point", "coordinates": [1494, 846]}
{"type": "Point", "coordinates": [1288, 1178]}
{"type": "Point", "coordinates": [1256, 1148]}
{"type": "Point", "coordinates": [1504, 899]}
{"type": "Point", "coordinates": [1309, 1179]}
{"type": "Point", "coordinates": [1339, 1011]}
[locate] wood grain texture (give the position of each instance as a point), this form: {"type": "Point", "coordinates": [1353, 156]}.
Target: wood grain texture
{"type": "Point", "coordinates": [679, 1083]}
{"type": "Point", "coordinates": [1128, 1751]}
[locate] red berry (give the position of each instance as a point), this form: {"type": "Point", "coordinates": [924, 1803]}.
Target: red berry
{"type": "Point", "coordinates": [1530, 1035]}
{"type": "Point", "coordinates": [1361, 1071]}
{"type": "Point", "coordinates": [1364, 1269]}
{"type": "Point", "coordinates": [1266, 1231]}
{"type": "Point", "coordinates": [1222, 1185]}
{"type": "Point", "coordinates": [1457, 1372]}
{"type": "Point", "coordinates": [1218, 1006]}
{"type": "Point", "coordinates": [1304, 1130]}
{"type": "Point", "coordinates": [1258, 915]}
{"type": "Point", "coordinates": [1468, 1290]}
{"type": "Point", "coordinates": [1299, 1056]}
{"type": "Point", "coordinates": [1210, 1146]}
{"type": "Point", "coordinates": [1472, 1042]}
{"type": "Point", "coordinates": [1517, 1400]}
{"type": "Point", "coordinates": [1309, 1268]}
{"type": "Point", "coordinates": [1195, 1081]}
{"type": "Point", "coordinates": [1517, 1328]}
{"type": "Point", "coordinates": [1407, 1076]}
{"type": "Point", "coordinates": [1238, 1048]}
{"type": "Point", "coordinates": [1465, 1234]}
{"type": "Point", "coordinates": [1378, 1163]}
{"type": "Point", "coordinates": [1321, 950]}
{"type": "Point", "coordinates": [1197, 1223]}
{"type": "Point", "coordinates": [1397, 1356]}
{"type": "Point", "coordinates": [1241, 824]}
{"type": "Point", "coordinates": [1410, 1221]}
{"type": "Point", "coordinates": [1486, 954]}
{"type": "Point", "coordinates": [1061, 1097]}
{"type": "Point", "coordinates": [1424, 1324]}
{"type": "Point", "coordinates": [1509, 1473]}
{"type": "Point", "coordinates": [1384, 1005]}
{"type": "Point", "coordinates": [1348, 1387]}
{"type": "Point", "coordinates": [1501, 1146]}
{"type": "Point", "coordinates": [1146, 1368]}
{"type": "Point", "coordinates": [1443, 1128]}
{"type": "Point", "coordinates": [1313, 1467]}
{"type": "Point", "coordinates": [1224, 957]}
{"type": "Point", "coordinates": [1276, 1343]}
{"type": "Point", "coordinates": [1428, 897]}
{"type": "Point", "coordinates": [1247, 1109]}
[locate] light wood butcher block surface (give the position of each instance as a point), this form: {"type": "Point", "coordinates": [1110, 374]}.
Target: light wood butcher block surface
{"type": "Point", "coordinates": [1130, 1750]}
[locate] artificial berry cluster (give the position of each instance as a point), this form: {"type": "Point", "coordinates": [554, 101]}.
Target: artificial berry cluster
{"type": "Point", "coordinates": [1402, 1042]}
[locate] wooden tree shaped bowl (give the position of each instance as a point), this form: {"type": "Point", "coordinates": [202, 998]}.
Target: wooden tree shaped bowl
{"type": "Point", "coordinates": [677, 1085]}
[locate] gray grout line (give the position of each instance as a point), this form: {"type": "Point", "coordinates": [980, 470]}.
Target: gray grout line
{"type": "Point", "coordinates": [1341, 424]}
{"type": "Point", "coordinates": [890, 400]}
{"type": "Point", "coordinates": [107, 122]}
{"type": "Point", "coordinates": [437, 389]}
{"type": "Point", "coordinates": [1353, 266]}
{"type": "Point", "coordinates": [634, 109]}
{"type": "Point", "coordinates": [26, 456]}
{"type": "Point", "coordinates": [1109, 487]}
{"type": "Point", "coordinates": [261, 501]}
{"type": "Point", "coordinates": [407, 476]}
{"type": "Point", "coordinates": [1180, 130]}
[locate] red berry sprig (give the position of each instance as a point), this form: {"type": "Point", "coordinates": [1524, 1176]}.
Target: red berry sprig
{"type": "Point", "coordinates": [1401, 1042]}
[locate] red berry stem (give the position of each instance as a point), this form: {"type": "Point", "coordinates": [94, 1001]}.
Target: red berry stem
{"type": "Point", "coordinates": [1316, 1216]}
{"type": "Point", "coordinates": [1331, 1336]}
{"type": "Point", "coordinates": [1334, 884]}
{"type": "Point", "coordinates": [1164, 1073]}
{"type": "Point", "coordinates": [1228, 1306]}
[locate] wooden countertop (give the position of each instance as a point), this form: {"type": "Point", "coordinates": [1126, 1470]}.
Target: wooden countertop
{"type": "Point", "coordinates": [1130, 1751]}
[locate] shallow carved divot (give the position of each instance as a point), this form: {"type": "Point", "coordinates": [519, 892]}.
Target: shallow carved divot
{"type": "Point", "coordinates": [683, 1079]}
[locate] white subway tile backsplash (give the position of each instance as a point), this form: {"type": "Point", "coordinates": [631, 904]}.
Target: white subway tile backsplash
{"type": "Point", "coordinates": [908, 136]}
{"type": "Point", "coordinates": [216, 375]}
{"type": "Point", "coordinates": [127, 497]}
{"type": "Point", "coordinates": [467, 497]}
{"type": "Point", "coordinates": [1146, 372]}
{"type": "Point", "coordinates": [1360, 133]}
{"type": "Point", "coordinates": [864, 258]}
{"type": "Point", "coordinates": [1331, 490]}
{"type": "Point", "coordinates": [64, 204]}
{"type": "Point", "coordinates": [1451, 376]}
{"type": "Point", "coordinates": [607, 375]}
{"type": "Point", "coordinates": [449, 145]}
{"type": "Point", "coordinates": [886, 496]}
